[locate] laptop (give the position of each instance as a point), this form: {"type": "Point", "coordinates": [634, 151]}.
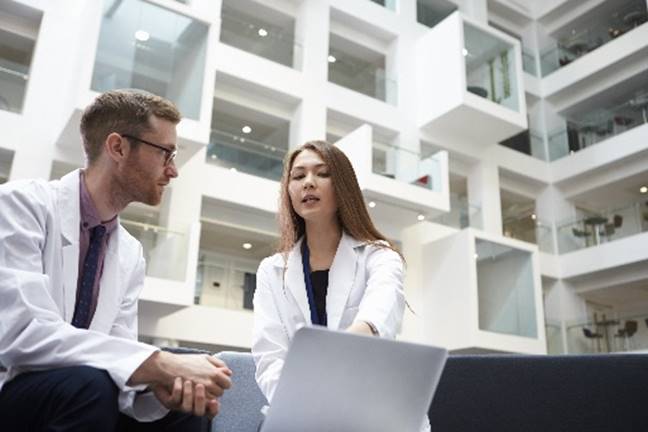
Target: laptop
{"type": "Point", "coordinates": [341, 382]}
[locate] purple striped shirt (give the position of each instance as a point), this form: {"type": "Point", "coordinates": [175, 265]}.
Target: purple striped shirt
{"type": "Point", "coordinates": [90, 219]}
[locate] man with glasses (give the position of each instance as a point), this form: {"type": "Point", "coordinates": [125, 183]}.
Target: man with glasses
{"type": "Point", "coordinates": [70, 277]}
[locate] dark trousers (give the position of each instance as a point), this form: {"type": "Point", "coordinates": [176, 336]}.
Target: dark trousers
{"type": "Point", "coordinates": [74, 399]}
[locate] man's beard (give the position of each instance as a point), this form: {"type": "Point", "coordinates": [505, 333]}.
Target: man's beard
{"type": "Point", "coordinates": [135, 186]}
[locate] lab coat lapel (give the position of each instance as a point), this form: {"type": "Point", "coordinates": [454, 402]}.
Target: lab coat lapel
{"type": "Point", "coordinates": [341, 278]}
{"type": "Point", "coordinates": [294, 279]}
{"type": "Point", "coordinates": [70, 216]}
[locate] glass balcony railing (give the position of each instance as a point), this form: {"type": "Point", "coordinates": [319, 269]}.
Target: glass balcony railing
{"type": "Point", "coordinates": [529, 142]}
{"type": "Point", "coordinates": [13, 84]}
{"type": "Point", "coordinates": [246, 155]}
{"type": "Point", "coordinates": [15, 59]}
{"type": "Point", "coordinates": [623, 19]}
{"type": "Point", "coordinates": [407, 166]}
{"type": "Point", "coordinates": [597, 228]}
{"type": "Point", "coordinates": [361, 76]}
{"type": "Point", "coordinates": [461, 215]}
{"type": "Point", "coordinates": [490, 68]}
{"type": "Point", "coordinates": [259, 37]}
{"type": "Point", "coordinates": [220, 284]}
{"type": "Point", "coordinates": [625, 333]}
{"type": "Point", "coordinates": [553, 333]}
{"type": "Point", "coordinates": [529, 62]}
{"type": "Point", "coordinates": [165, 250]}
{"type": "Point", "coordinates": [531, 230]}
{"type": "Point", "coordinates": [593, 127]}
{"type": "Point", "coordinates": [148, 47]}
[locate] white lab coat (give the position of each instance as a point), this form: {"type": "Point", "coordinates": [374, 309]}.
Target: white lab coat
{"type": "Point", "coordinates": [39, 262]}
{"type": "Point", "coordinates": [365, 284]}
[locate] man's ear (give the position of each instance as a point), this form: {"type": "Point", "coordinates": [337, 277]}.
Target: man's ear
{"type": "Point", "coordinates": [116, 147]}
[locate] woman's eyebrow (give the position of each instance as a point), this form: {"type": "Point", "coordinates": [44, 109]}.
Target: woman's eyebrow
{"type": "Point", "coordinates": [298, 167]}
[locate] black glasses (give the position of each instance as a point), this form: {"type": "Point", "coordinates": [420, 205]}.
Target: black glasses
{"type": "Point", "coordinates": [169, 154]}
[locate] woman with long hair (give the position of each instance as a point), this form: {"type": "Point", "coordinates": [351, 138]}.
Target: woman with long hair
{"type": "Point", "coordinates": [333, 267]}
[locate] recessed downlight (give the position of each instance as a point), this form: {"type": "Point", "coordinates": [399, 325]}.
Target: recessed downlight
{"type": "Point", "coordinates": [246, 129]}
{"type": "Point", "coordinates": [142, 35]}
{"type": "Point", "coordinates": [420, 217]}
{"type": "Point", "coordinates": [643, 189]}
{"type": "Point", "coordinates": [262, 32]}
{"type": "Point", "coordinates": [247, 246]}
{"type": "Point", "coordinates": [331, 58]}
{"type": "Point", "coordinates": [372, 204]}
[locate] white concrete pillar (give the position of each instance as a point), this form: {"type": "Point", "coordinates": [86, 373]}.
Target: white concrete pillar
{"type": "Point", "coordinates": [564, 305]}
{"type": "Point", "coordinates": [552, 208]}
{"type": "Point", "coordinates": [312, 23]}
{"type": "Point", "coordinates": [484, 193]}
{"type": "Point", "coordinates": [52, 92]}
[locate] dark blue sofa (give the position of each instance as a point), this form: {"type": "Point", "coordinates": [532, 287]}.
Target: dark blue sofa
{"type": "Point", "coordinates": [499, 393]}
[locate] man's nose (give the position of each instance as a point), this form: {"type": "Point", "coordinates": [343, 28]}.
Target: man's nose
{"type": "Point", "coordinates": [172, 170]}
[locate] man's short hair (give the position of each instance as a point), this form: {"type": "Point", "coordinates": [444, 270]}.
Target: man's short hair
{"type": "Point", "coordinates": [125, 112]}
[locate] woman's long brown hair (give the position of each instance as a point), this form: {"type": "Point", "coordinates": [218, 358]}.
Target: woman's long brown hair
{"type": "Point", "coordinates": [352, 212]}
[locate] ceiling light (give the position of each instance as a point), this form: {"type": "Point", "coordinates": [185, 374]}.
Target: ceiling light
{"type": "Point", "coordinates": [372, 204]}
{"type": "Point", "coordinates": [643, 189]}
{"type": "Point", "coordinates": [420, 217]}
{"type": "Point", "coordinates": [533, 216]}
{"type": "Point", "coordinates": [247, 246]}
{"type": "Point", "coordinates": [331, 59]}
{"type": "Point", "coordinates": [142, 35]}
{"type": "Point", "coordinates": [262, 32]}
{"type": "Point", "coordinates": [465, 52]}
{"type": "Point", "coordinates": [246, 129]}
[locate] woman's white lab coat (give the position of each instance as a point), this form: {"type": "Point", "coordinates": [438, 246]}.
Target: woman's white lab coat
{"type": "Point", "coordinates": [365, 284]}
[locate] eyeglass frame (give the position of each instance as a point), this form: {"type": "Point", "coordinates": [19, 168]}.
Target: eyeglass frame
{"type": "Point", "coordinates": [170, 154]}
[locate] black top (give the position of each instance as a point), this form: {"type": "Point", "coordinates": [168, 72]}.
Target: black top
{"type": "Point", "coordinates": [319, 281]}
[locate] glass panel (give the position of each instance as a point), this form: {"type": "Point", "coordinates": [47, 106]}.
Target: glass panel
{"type": "Point", "coordinates": [165, 250]}
{"type": "Point", "coordinates": [151, 48]}
{"type": "Point", "coordinates": [257, 36]}
{"type": "Point", "coordinates": [602, 25]}
{"type": "Point", "coordinates": [592, 127]}
{"type": "Point", "coordinates": [389, 4]}
{"type": "Point", "coordinates": [490, 68]}
{"type": "Point", "coordinates": [531, 230]}
{"type": "Point", "coordinates": [624, 333]}
{"type": "Point", "coordinates": [529, 63]}
{"type": "Point", "coordinates": [602, 227]}
{"type": "Point", "coordinates": [407, 166]}
{"type": "Point", "coordinates": [505, 286]}
{"type": "Point", "coordinates": [365, 75]}
{"type": "Point", "coordinates": [461, 214]}
{"type": "Point", "coordinates": [6, 160]}
{"type": "Point", "coordinates": [15, 60]}
{"type": "Point", "coordinates": [529, 142]}
{"type": "Point", "coordinates": [219, 283]}
{"type": "Point", "coordinates": [246, 155]}
{"type": "Point", "coordinates": [553, 332]}
{"type": "Point", "coordinates": [432, 12]}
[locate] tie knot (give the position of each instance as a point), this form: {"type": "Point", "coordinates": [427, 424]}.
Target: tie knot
{"type": "Point", "coordinates": [97, 233]}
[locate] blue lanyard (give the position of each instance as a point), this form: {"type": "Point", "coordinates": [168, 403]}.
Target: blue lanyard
{"type": "Point", "coordinates": [307, 281]}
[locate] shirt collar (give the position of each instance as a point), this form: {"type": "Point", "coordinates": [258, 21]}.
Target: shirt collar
{"type": "Point", "coordinates": [89, 214]}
